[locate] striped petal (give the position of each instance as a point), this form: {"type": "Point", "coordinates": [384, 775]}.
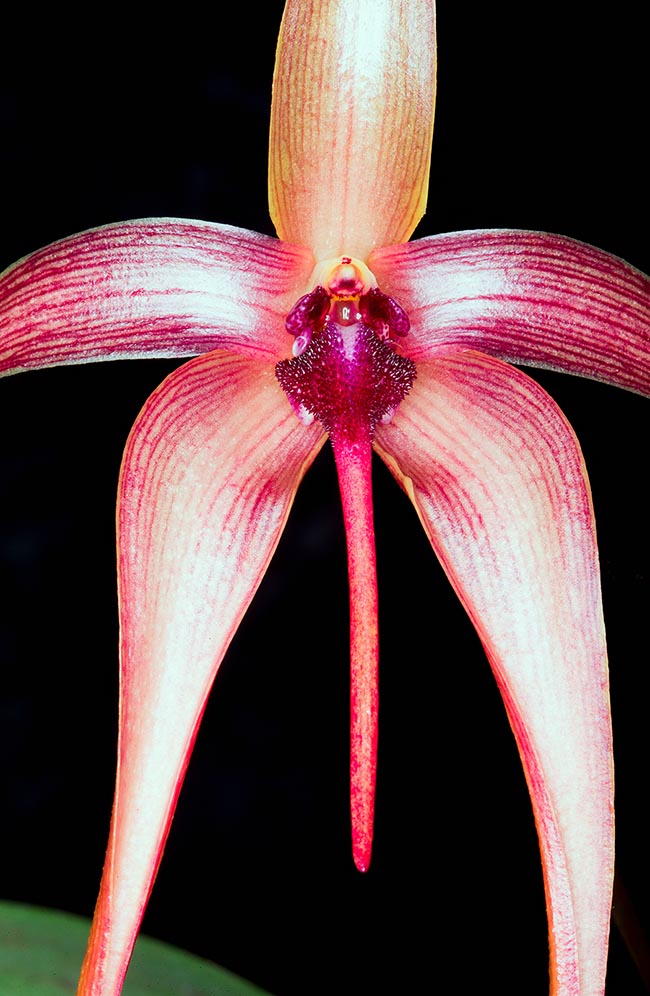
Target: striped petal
{"type": "Point", "coordinates": [351, 123]}
{"type": "Point", "coordinates": [498, 480]}
{"type": "Point", "coordinates": [209, 474]}
{"type": "Point", "coordinates": [149, 288]}
{"type": "Point", "coordinates": [527, 297]}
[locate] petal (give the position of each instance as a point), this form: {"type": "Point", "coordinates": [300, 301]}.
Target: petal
{"type": "Point", "coordinates": [149, 288]}
{"type": "Point", "coordinates": [498, 480]}
{"type": "Point", "coordinates": [351, 123]}
{"type": "Point", "coordinates": [527, 297]}
{"type": "Point", "coordinates": [353, 465]}
{"type": "Point", "coordinates": [209, 474]}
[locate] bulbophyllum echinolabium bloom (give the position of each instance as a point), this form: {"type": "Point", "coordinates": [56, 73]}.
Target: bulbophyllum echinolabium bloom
{"type": "Point", "coordinates": [342, 328]}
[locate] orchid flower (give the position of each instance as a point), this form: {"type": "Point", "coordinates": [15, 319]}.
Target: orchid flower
{"type": "Point", "coordinates": [343, 328]}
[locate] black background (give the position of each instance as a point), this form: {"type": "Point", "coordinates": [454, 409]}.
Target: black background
{"type": "Point", "coordinates": [541, 124]}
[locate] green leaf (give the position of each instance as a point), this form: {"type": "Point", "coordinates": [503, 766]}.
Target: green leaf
{"type": "Point", "coordinates": [41, 953]}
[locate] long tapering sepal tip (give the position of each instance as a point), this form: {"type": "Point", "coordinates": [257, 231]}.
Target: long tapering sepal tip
{"type": "Point", "coordinates": [362, 854]}
{"type": "Point", "coordinates": [353, 462]}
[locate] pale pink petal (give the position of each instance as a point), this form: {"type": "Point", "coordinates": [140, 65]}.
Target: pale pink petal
{"type": "Point", "coordinates": [209, 475]}
{"type": "Point", "coordinates": [498, 480]}
{"type": "Point", "coordinates": [351, 123]}
{"type": "Point", "coordinates": [156, 287]}
{"type": "Point", "coordinates": [527, 297]}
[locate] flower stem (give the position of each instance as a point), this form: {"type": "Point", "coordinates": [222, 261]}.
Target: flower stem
{"type": "Point", "coordinates": [353, 464]}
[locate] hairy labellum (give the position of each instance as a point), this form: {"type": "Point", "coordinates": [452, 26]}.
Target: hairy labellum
{"type": "Point", "coordinates": [348, 379]}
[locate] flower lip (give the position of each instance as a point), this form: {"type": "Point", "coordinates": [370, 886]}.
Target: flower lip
{"type": "Point", "coordinates": [348, 378]}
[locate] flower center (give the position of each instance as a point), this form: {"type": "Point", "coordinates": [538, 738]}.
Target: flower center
{"type": "Point", "coordinates": [346, 370]}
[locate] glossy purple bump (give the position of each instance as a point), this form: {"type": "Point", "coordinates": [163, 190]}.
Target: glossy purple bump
{"type": "Point", "coordinates": [383, 314]}
{"type": "Point", "coordinates": [308, 312]}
